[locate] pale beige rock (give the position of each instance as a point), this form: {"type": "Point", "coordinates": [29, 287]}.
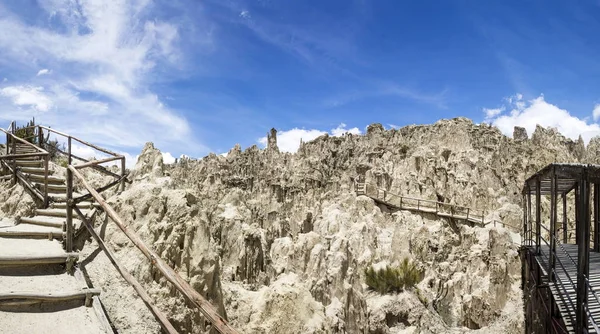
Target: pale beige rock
{"type": "Point", "coordinates": [279, 242]}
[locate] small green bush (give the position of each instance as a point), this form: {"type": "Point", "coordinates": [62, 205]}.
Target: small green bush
{"type": "Point", "coordinates": [389, 280]}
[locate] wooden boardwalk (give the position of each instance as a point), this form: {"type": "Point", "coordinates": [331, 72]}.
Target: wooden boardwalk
{"type": "Point", "coordinates": [564, 289]}
{"type": "Point", "coordinates": [440, 209]}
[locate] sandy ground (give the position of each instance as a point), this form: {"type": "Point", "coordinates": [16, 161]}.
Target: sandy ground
{"type": "Point", "coordinates": [30, 247]}
{"type": "Point", "coordinates": [75, 320]}
{"type": "Point", "coordinates": [65, 317]}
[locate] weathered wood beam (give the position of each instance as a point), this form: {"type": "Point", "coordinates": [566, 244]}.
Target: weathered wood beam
{"type": "Point", "coordinates": [98, 162]}
{"type": "Point", "coordinates": [583, 252]}
{"type": "Point", "coordinates": [13, 296]}
{"type": "Point", "coordinates": [81, 141]}
{"type": "Point", "coordinates": [161, 317]}
{"type": "Point", "coordinates": [596, 206]}
{"type": "Point", "coordinates": [565, 221]}
{"type": "Point", "coordinates": [171, 275]}
{"type": "Point", "coordinates": [22, 155]}
{"type": "Point", "coordinates": [538, 216]}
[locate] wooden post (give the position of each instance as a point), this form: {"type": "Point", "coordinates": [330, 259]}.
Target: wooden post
{"type": "Point", "coordinates": [529, 215]}
{"type": "Point", "coordinates": [123, 174]}
{"type": "Point", "coordinates": [70, 158]}
{"type": "Point", "coordinates": [46, 158]}
{"type": "Point", "coordinates": [171, 275]}
{"type": "Point", "coordinates": [552, 262]}
{"type": "Point", "coordinates": [577, 212]}
{"type": "Point", "coordinates": [40, 137]}
{"type": "Point", "coordinates": [166, 325]}
{"type": "Point", "coordinates": [14, 178]}
{"type": "Point", "coordinates": [596, 218]}
{"type": "Point", "coordinates": [565, 225]}
{"type": "Point", "coordinates": [538, 215]}
{"type": "Point", "coordinates": [583, 252]}
{"type": "Point", "coordinates": [69, 238]}
{"type": "Point", "coordinates": [524, 232]}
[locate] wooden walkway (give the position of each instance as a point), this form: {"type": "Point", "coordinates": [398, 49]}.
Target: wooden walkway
{"type": "Point", "coordinates": [440, 209]}
{"type": "Point", "coordinates": [564, 289]}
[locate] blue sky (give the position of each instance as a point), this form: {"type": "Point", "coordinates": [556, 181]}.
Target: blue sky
{"type": "Point", "coordinates": [200, 76]}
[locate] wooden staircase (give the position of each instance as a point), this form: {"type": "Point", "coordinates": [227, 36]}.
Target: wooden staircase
{"type": "Point", "coordinates": [39, 292]}
{"type": "Point", "coordinates": [36, 271]}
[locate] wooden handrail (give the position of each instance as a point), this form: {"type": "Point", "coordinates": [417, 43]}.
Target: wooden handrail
{"type": "Point", "coordinates": [94, 164]}
{"type": "Point", "coordinates": [42, 153]}
{"type": "Point", "coordinates": [24, 141]}
{"type": "Point", "coordinates": [80, 140]}
{"type": "Point", "coordinates": [171, 275]}
{"type": "Point", "coordinates": [165, 323]}
{"type": "Point", "coordinates": [426, 204]}
{"type": "Point", "coordinates": [97, 162]}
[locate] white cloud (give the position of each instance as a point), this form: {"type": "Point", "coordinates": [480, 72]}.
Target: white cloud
{"type": "Point", "coordinates": [84, 151]}
{"type": "Point", "coordinates": [341, 130]}
{"type": "Point", "coordinates": [289, 140]}
{"type": "Point", "coordinates": [104, 59]}
{"type": "Point", "coordinates": [28, 96]}
{"type": "Point", "coordinates": [245, 14]}
{"type": "Point", "coordinates": [491, 113]}
{"type": "Point", "coordinates": [596, 112]}
{"type": "Point", "coordinates": [168, 158]}
{"type": "Point", "coordinates": [530, 113]}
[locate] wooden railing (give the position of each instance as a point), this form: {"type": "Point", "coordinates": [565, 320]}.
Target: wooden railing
{"type": "Point", "coordinates": [209, 312]}
{"type": "Point", "coordinates": [422, 205]}
{"type": "Point", "coordinates": [95, 164]}
{"type": "Point", "coordinates": [73, 171]}
{"type": "Point", "coordinates": [9, 160]}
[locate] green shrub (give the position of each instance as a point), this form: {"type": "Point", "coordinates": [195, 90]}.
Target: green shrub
{"type": "Point", "coordinates": [389, 280]}
{"type": "Point", "coordinates": [27, 132]}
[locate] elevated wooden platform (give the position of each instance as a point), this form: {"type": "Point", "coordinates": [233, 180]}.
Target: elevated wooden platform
{"type": "Point", "coordinates": [564, 289]}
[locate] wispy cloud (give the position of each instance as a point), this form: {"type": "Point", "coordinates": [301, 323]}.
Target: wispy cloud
{"type": "Point", "coordinates": [104, 55]}
{"type": "Point", "coordinates": [388, 90]}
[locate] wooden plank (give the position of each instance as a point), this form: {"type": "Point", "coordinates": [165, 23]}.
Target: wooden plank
{"type": "Point", "coordinates": [98, 162]}
{"type": "Point", "coordinates": [30, 260]}
{"type": "Point", "coordinates": [206, 308]}
{"type": "Point", "coordinates": [49, 296]}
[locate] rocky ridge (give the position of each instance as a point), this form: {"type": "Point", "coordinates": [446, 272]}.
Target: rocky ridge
{"type": "Point", "coordinates": [279, 241]}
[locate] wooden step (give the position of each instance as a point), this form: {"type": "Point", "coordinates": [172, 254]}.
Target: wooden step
{"type": "Point", "coordinates": [57, 222]}
{"type": "Point", "coordinates": [40, 179]}
{"type": "Point", "coordinates": [61, 198]}
{"type": "Point", "coordinates": [20, 298]}
{"type": "Point", "coordinates": [31, 231]}
{"type": "Point", "coordinates": [30, 163]}
{"type": "Point", "coordinates": [36, 285]}
{"type": "Point", "coordinates": [26, 252]}
{"type": "Point", "coordinates": [35, 170]}
{"type": "Point", "coordinates": [81, 206]}
{"type": "Point", "coordinates": [52, 188]}
{"type": "Point", "coordinates": [57, 212]}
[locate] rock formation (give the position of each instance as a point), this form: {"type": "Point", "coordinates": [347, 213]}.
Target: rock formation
{"type": "Point", "coordinates": [279, 241]}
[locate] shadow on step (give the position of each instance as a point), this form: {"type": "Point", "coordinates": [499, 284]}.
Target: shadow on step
{"type": "Point", "coordinates": [37, 270]}
{"type": "Point", "coordinates": [21, 306]}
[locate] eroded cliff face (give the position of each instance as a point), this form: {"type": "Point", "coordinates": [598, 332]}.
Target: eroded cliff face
{"type": "Point", "coordinates": [292, 237]}
{"type": "Point", "coordinates": [278, 242]}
